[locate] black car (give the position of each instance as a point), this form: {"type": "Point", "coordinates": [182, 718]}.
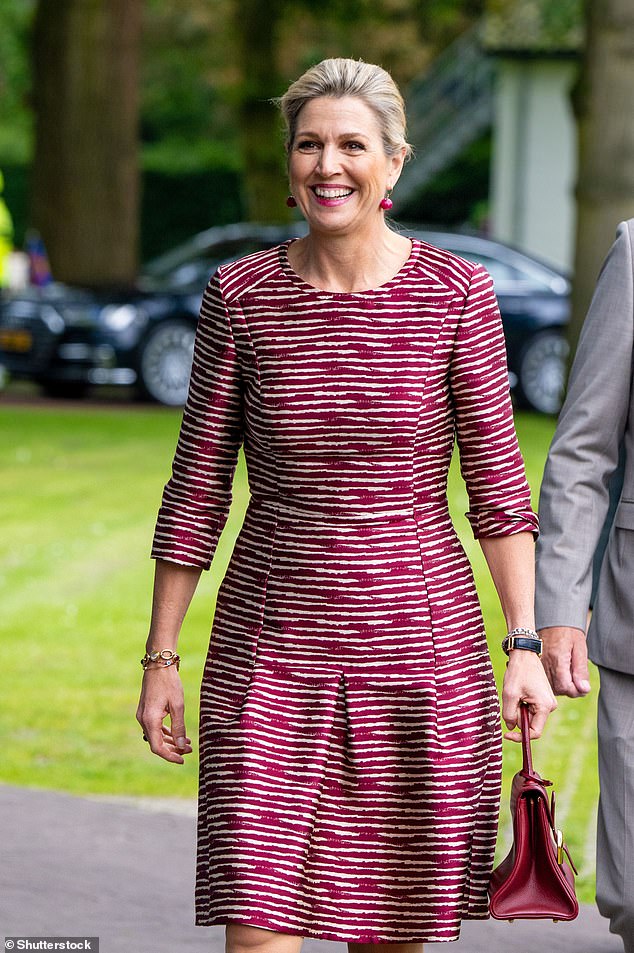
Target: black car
{"type": "Point", "coordinates": [534, 302]}
{"type": "Point", "coordinates": [67, 339]}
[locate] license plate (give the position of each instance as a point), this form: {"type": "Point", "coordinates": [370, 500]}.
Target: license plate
{"type": "Point", "coordinates": [16, 340]}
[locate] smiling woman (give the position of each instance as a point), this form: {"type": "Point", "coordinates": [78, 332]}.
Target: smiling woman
{"type": "Point", "coordinates": [340, 176]}
{"type": "Point", "coordinates": [346, 148]}
{"type": "Point", "coordinates": [349, 720]}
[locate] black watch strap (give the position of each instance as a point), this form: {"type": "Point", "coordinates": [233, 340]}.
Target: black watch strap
{"type": "Point", "coordinates": [522, 642]}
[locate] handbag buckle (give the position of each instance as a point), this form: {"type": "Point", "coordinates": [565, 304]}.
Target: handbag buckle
{"type": "Point", "coordinates": [560, 846]}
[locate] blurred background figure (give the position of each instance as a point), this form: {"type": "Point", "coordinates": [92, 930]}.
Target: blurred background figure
{"type": "Point", "coordinates": [39, 267]}
{"type": "Point", "coordinates": [6, 236]}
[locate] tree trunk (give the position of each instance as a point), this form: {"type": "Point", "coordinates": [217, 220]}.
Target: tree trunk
{"type": "Point", "coordinates": [605, 123]}
{"type": "Point", "coordinates": [264, 181]}
{"type": "Point", "coordinates": [85, 190]}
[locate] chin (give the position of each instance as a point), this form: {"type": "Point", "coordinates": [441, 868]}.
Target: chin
{"type": "Point", "coordinates": [339, 223]}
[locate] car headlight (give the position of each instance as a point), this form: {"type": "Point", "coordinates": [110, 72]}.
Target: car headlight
{"type": "Point", "coordinates": [53, 321]}
{"type": "Point", "coordinates": [120, 317]}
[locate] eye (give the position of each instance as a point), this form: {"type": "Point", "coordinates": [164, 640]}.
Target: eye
{"type": "Point", "coordinates": [307, 145]}
{"type": "Point", "coordinates": [354, 146]}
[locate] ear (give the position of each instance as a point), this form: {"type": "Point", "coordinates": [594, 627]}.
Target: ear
{"type": "Point", "coordinates": [395, 167]}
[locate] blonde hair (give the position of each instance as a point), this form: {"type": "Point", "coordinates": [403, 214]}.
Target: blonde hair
{"type": "Point", "coordinates": [340, 77]}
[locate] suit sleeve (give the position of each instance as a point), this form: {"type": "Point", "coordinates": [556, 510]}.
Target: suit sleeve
{"type": "Point", "coordinates": [490, 459]}
{"type": "Point", "coordinates": [197, 497]}
{"type": "Point", "coordinates": [584, 453]}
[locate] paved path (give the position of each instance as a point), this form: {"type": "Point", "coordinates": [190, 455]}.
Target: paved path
{"type": "Point", "coordinates": [123, 871]}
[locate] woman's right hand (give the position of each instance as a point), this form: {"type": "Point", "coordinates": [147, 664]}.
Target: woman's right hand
{"type": "Point", "coordinates": [162, 696]}
{"type": "Point", "coordinates": [525, 682]}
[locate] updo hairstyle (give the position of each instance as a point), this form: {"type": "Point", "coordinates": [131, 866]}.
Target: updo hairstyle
{"type": "Point", "coordinates": [340, 77]}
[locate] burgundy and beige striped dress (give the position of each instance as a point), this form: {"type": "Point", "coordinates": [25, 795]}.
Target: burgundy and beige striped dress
{"type": "Point", "coordinates": [350, 742]}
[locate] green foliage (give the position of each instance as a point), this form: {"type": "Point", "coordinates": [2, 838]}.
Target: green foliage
{"type": "Point", "coordinates": [192, 88]}
{"type": "Point", "coordinates": [16, 186]}
{"type": "Point", "coordinates": [459, 193]}
{"type": "Point", "coordinates": [80, 491]}
{"type": "Point", "coordinates": [549, 26]}
{"type": "Point", "coordinates": [175, 207]}
{"type": "Point", "coordinates": [442, 20]}
{"type": "Point", "coordinates": [187, 117]}
{"type": "Point", "coordinates": [15, 80]}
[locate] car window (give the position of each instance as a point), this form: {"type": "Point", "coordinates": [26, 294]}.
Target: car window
{"type": "Point", "coordinates": [198, 269]}
{"type": "Point", "coordinates": [518, 278]}
{"type": "Point", "coordinates": [499, 270]}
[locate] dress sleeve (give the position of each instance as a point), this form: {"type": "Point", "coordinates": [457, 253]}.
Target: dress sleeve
{"type": "Point", "coordinates": [490, 459]}
{"type": "Point", "coordinates": [197, 497]}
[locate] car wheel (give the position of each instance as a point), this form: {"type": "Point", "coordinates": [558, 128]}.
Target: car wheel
{"type": "Point", "coordinates": [542, 372]}
{"type": "Point", "coordinates": [166, 362]}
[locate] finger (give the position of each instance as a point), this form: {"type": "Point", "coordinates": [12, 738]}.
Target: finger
{"type": "Point", "coordinates": [513, 736]}
{"type": "Point", "coordinates": [154, 736]}
{"type": "Point", "coordinates": [159, 739]}
{"type": "Point", "coordinates": [558, 673]}
{"type": "Point", "coordinates": [177, 721]}
{"type": "Point", "coordinates": [580, 673]}
{"type": "Point", "coordinates": [168, 740]}
{"type": "Point", "coordinates": [538, 718]}
{"type": "Point", "coordinates": [510, 712]}
{"type": "Point", "coordinates": [560, 678]}
{"type": "Point", "coordinates": [167, 751]}
{"type": "Point", "coordinates": [567, 687]}
{"type": "Point", "coordinates": [168, 731]}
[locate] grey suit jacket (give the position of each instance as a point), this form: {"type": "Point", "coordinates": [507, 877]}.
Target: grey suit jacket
{"type": "Point", "coordinates": [597, 417]}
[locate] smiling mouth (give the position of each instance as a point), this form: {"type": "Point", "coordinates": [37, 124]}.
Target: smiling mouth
{"type": "Point", "coordinates": [323, 192]}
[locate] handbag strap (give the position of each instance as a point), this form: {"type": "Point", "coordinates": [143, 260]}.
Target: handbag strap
{"type": "Point", "coordinates": [527, 759]}
{"type": "Point", "coordinates": [525, 725]}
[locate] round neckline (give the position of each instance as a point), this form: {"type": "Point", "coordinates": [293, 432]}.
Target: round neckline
{"type": "Point", "coordinates": [300, 282]}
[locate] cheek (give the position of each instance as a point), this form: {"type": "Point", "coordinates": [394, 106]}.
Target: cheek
{"type": "Point", "coordinates": [299, 166]}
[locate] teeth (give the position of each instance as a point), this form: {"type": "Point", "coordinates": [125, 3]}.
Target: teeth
{"type": "Point", "coordinates": [332, 193]}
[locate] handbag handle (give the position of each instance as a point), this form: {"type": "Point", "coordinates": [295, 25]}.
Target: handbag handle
{"type": "Point", "coordinates": [527, 766]}
{"type": "Point", "coordinates": [525, 725]}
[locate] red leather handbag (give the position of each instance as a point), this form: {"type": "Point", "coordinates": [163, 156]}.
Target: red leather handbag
{"type": "Point", "coordinates": [535, 881]}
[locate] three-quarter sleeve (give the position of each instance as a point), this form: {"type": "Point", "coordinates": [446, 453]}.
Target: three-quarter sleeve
{"type": "Point", "coordinates": [490, 459]}
{"type": "Point", "coordinates": [197, 497]}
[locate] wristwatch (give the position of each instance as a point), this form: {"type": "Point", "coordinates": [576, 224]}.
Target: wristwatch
{"type": "Point", "coordinates": [528, 642]}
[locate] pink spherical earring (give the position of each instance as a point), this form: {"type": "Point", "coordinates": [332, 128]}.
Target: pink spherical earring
{"type": "Point", "coordinates": [291, 201]}
{"type": "Point", "coordinates": [386, 203]}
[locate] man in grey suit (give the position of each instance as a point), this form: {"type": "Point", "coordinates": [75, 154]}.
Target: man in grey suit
{"type": "Point", "coordinates": [596, 422]}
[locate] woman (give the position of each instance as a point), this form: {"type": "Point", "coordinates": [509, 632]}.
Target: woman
{"type": "Point", "coordinates": [349, 729]}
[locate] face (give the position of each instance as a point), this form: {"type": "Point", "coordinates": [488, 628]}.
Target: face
{"type": "Point", "coordinates": [338, 169]}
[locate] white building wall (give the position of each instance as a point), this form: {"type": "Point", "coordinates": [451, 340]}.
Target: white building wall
{"type": "Point", "coordinates": [534, 158]}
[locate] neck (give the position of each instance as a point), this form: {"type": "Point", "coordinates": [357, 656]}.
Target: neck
{"type": "Point", "coordinates": [349, 262]}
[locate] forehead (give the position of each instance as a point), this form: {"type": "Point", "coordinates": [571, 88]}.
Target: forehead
{"type": "Point", "coordinates": [334, 114]}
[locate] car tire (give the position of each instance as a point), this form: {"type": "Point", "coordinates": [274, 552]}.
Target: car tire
{"type": "Point", "coordinates": [165, 362]}
{"type": "Point", "coordinates": [541, 376]}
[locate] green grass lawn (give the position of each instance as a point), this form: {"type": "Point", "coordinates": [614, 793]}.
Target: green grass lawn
{"type": "Point", "coordinates": [80, 490]}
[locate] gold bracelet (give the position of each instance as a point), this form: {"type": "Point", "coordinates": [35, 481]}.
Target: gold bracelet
{"type": "Point", "coordinates": [162, 659]}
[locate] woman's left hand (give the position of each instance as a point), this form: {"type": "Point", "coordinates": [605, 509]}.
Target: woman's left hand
{"type": "Point", "coordinates": [525, 681]}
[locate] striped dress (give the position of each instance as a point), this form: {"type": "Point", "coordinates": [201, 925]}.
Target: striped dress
{"type": "Point", "coordinates": [349, 736]}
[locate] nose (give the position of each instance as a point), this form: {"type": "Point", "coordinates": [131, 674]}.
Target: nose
{"type": "Point", "coordinates": [328, 160]}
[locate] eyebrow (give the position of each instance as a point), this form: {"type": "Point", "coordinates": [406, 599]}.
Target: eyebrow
{"type": "Point", "coordinates": [344, 135]}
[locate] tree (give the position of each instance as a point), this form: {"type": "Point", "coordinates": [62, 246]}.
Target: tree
{"type": "Point", "coordinates": [85, 187]}
{"type": "Point", "coordinates": [605, 122]}
{"type": "Point", "coordinates": [257, 25]}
